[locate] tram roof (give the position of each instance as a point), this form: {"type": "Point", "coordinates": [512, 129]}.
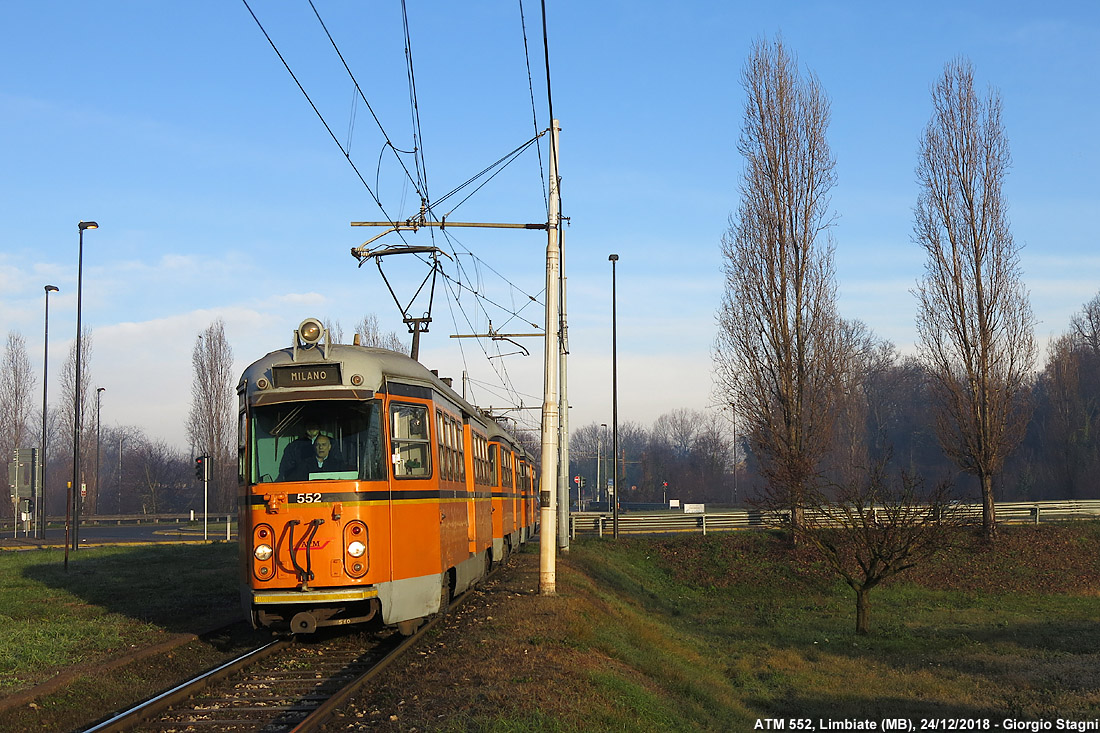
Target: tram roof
{"type": "Point", "coordinates": [375, 365]}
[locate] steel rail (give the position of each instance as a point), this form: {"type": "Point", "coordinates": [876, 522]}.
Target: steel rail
{"type": "Point", "coordinates": [141, 712]}
{"type": "Point", "coordinates": [325, 711]}
{"type": "Point", "coordinates": [146, 713]}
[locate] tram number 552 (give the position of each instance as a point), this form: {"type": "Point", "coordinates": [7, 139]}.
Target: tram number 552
{"type": "Point", "coordinates": [309, 498]}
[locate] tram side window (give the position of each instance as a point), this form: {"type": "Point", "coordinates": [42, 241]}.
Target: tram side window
{"type": "Point", "coordinates": [411, 445]}
{"type": "Point", "coordinates": [284, 442]}
{"type": "Point", "coordinates": [481, 458]}
{"type": "Point", "coordinates": [506, 469]}
{"type": "Point", "coordinates": [494, 476]}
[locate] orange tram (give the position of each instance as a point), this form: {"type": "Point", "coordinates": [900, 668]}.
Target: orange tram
{"type": "Point", "coordinates": [369, 489]}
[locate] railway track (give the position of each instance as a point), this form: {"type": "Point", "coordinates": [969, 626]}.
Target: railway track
{"type": "Point", "coordinates": [285, 685]}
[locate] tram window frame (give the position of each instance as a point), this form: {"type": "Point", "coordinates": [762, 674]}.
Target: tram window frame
{"type": "Point", "coordinates": [355, 428]}
{"type": "Point", "coordinates": [452, 447]}
{"type": "Point", "coordinates": [494, 464]}
{"type": "Point", "coordinates": [507, 478]}
{"type": "Point", "coordinates": [460, 449]}
{"type": "Point", "coordinates": [404, 443]}
{"type": "Point", "coordinates": [479, 445]}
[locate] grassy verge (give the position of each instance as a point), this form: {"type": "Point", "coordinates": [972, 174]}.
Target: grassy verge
{"type": "Point", "coordinates": [682, 633]}
{"type": "Point", "coordinates": [717, 633]}
{"type": "Point", "coordinates": [1007, 631]}
{"type": "Point", "coordinates": [111, 599]}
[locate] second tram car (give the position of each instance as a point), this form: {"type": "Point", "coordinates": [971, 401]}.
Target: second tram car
{"type": "Point", "coordinates": [369, 489]}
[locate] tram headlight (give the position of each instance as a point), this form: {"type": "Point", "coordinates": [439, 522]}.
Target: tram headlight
{"type": "Point", "coordinates": [310, 331]}
{"type": "Point", "coordinates": [356, 558]}
{"type": "Point", "coordinates": [262, 552]}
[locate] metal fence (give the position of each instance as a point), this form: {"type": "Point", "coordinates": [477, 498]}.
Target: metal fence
{"type": "Point", "coordinates": [6, 524]}
{"type": "Point", "coordinates": [599, 524]}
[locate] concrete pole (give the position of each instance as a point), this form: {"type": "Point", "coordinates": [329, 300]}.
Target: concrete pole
{"type": "Point", "coordinates": [549, 476]}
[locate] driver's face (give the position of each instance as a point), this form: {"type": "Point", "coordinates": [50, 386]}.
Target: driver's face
{"type": "Point", "coordinates": [322, 447]}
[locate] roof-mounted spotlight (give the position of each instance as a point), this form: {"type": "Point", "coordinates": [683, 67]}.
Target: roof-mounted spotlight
{"type": "Point", "coordinates": [309, 334]}
{"type": "Point", "coordinates": [310, 331]}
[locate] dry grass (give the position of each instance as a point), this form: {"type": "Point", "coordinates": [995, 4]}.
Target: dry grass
{"type": "Point", "coordinates": [714, 633]}
{"type": "Point", "coordinates": [701, 633]}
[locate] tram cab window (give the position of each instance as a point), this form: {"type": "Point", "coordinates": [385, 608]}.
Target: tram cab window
{"type": "Point", "coordinates": [411, 446]}
{"type": "Point", "coordinates": [284, 437]}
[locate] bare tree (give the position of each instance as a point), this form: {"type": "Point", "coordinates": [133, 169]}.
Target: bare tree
{"type": "Point", "coordinates": [69, 392]}
{"type": "Point", "coordinates": [158, 473]}
{"type": "Point", "coordinates": [974, 319]}
{"type": "Point", "coordinates": [877, 529]}
{"type": "Point", "coordinates": [16, 384]}
{"type": "Point", "coordinates": [370, 334]}
{"type": "Point", "coordinates": [211, 424]}
{"type": "Point", "coordinates": [335, 330]}
{"type": "Point", "coordinates": [677, 430]}
{"type": "Point", "coordinates": [16, 404]}
{"type": "Point", "coordinates": [777, 352]}
{"type": "Point", "coordinates": [1086, 326]}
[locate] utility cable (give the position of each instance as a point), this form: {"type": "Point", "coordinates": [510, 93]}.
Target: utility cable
{"type": "Point", "coordinates": [316, 111]}
{"type": "Point", "coordinates": [363, 97]}
{"type": "Point", "coordinates": [499, 165]}
{"type": "Point", "coordinates": [418, 138]}
{"type": "Point", "coordinates": [531, 91]}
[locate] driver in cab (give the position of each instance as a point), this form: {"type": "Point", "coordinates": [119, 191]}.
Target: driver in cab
{"type": "Point", "coordinates": [322, 460]}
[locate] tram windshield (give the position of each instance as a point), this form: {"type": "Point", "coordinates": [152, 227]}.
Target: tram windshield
{"type": "Point", "coordinates": [316, 441]}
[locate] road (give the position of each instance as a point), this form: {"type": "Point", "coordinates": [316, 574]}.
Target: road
{"type": "Point", "coordinates": [123, 533]}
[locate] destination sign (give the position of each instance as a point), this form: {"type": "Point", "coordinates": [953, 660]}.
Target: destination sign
{"type": "Point", "coordinates": [306, 375]}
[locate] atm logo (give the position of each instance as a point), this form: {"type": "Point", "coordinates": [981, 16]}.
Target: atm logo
{"type": "Point", "coordinates": [314, 545]}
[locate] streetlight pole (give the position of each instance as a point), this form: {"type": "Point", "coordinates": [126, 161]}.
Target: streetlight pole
{"type": "Point", "coordinates": [98, 391]}
{"type": "Point", "coordinates": [77, 391]}
{"type": "Point", "coordinates": [40, 493]}
{"type": "Point", "coordinates": [614, 405]}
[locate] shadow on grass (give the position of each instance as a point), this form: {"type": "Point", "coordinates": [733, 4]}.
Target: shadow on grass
{"type": "Point", "coordinates": [1076, 636]}
{"type": "Point", "coordinates": [180, 588]}
{"type": "Point", "coordinates": [837, 708]}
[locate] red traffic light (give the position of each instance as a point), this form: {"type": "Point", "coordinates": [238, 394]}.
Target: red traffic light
{"type": "Point", "coordinates": [202, 468]}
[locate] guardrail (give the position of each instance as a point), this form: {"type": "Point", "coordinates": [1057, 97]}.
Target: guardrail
{"type": "Point", "coordinates": [96, 519]}
{"type": "Point", "coordinates": [599, 524]}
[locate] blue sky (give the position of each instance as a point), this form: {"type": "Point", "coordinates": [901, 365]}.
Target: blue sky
{"type": "Point", "coordinates": [220, 194]}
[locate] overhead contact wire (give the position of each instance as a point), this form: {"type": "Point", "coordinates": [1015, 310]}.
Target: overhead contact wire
{"type": "Point", "coordinates": [315, 110]}
{"type": "Point", "coordinates": [363, 96]}
{"type": "Point", "coordinates": [531, 91]}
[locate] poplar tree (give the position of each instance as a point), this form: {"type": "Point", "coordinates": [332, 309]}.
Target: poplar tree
{"type": "Point", "coordinates": [777, 354]}
{"type": "Point", "coordinates": [211, 423]}
{"type": "Point", "coordinates": [974, 319]}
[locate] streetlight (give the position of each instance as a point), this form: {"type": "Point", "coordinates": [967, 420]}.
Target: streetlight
{"type": "Point", "coordinates": [614, 407]}
{"type": "Point", "coordinates": [40, 493]}
{"type": "Point", "coordinates": [98, 392]}
{"type": "Point", "coordinates": [77, 392]}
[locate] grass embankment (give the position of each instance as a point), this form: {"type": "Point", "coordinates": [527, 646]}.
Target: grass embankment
{"type": "Point", "coordinates": [683, 633]}
{"type": "Point", "coordinates": [72, 630]}
{"type": "Point", "coordinates": [718, 632]}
